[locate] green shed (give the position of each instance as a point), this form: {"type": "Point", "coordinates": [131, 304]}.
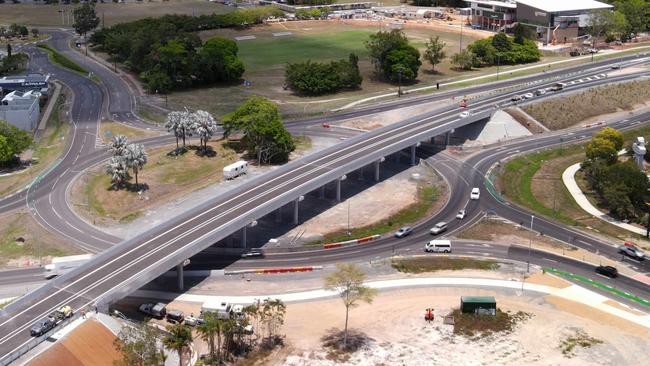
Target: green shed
{"type": "Point", "coordinates": [478, 305]}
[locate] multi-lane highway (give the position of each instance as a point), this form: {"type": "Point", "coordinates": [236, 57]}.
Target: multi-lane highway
{"type": "Point", "coordinates": [124, 268]}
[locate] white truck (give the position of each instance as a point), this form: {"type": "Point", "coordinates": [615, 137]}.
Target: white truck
{"type": "Point", "coordinates": [223, 309]}
{"type": "Point", "coordinates": [234, 170]}
{"type": "Point", "coordinates": [61, 265]}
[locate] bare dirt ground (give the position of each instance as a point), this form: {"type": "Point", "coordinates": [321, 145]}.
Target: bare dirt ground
{"type": "Point", "coordinates": [398, 335]}
{"type": "Point", "coordinates": [89, 344]}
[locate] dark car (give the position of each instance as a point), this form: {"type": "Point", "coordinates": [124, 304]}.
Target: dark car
{"type": "Point", "coordinates": [175, 316]}
{"type": "Point", "coordinates": [42, 326]}
{"type": "Point", "coordinates": [608, 271]}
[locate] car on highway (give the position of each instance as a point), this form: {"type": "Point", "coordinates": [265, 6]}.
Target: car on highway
{"type": "Point", "coordinates": [608, 271]}
{"type": "Point", "coordinates": [539, 92]}
{"type": "Point", "coordinates": [516, 98]}
{"type": "Point", "coordinates": [439, 228]}
{"type": "Point", "coordinates": [461, 214]}
{"type": "Point", "coordinates": [475, 194]}
{"type": "Point", "coordinates": [631, 251]}
{"type": "Point", "coordinates": [465, 114]}
{"type": "Point", "coordinates": [404, 231]}
{"type": "Point", "coordinates": [615, 67]}
{"type": "Point", "coordinates": [527, 96]}
{"type": "Point", "coordinates": [42, 326]}
{"type": "Point", "coordinates": [253, 254]}
{"type": "Point", "coordinates": [438, 246]}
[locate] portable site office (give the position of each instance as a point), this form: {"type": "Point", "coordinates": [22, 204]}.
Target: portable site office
{"type": "Point", "coordinates": [483, 305]}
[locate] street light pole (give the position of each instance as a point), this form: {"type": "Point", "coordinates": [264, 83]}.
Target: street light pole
{"type": "Point", "coordinates": [498, 64]}
{"type": "Point", "coordinates": [349, 232]}
{"type": "Point", "coordinates": [530, 243]}
{"type": "Point", "coordinates": [399, 82]}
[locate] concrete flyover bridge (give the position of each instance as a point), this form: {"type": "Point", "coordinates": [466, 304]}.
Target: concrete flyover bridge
{"type": "Point", "coordinates": [126, 267]}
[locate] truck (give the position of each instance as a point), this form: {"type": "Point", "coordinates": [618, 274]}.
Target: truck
{"type": "Point", "coordinates": [223, 309]}
{"type": "Point", "coordinates": [158, 310]}
{"type": "Point", "coordinates": [61, 265]}
{"type": "Point", "coordinates": [236, 169]}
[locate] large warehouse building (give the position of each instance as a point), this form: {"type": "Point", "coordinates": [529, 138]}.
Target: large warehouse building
{"type": "Point", "coordinates": [554, 20]}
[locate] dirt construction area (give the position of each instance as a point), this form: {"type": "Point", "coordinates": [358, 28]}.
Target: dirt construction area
{"type": "Point", "coordinates": [395, 333]}
{"type": "Point", "coordinates": [89, 344]}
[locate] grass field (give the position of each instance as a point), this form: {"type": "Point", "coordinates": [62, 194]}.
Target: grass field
{"type": "Point", "coordinates": [48, 149]}
{"type": "Point", "coordinates": [108, 130]}
{"type": "Point", "coordinates": [433, 264]}
{"type": "Point", "coordinates": [566, 111]}
{"type": "Point", "coordinates": [111, 13]}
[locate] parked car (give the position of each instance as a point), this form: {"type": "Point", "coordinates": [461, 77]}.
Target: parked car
{"type": "Point", "coordinates": [461, 214]}
{"type": "Point", "coordinates": [42, 326]}
{"type": "Point", "coordinates": [439, 228]}
{"type": "Point", "coordinates": [631, 251]}
{"type": "Point", "coordinates": [475, 194]}
{"type": "Point", "coordinates": [157, 311]}
{"type": "Point", "coordinates": [403, 231]}
{"type": "Point", "coordinates": [175, 316]}
{"type": "Point", "coordinates": [608, 271]}
{"type": "Point", "coordinates": [191, 321]}
{"type": "Point", "coordinates": [64, 312]}
{"type": "Point", "coordinates": [465, 114]}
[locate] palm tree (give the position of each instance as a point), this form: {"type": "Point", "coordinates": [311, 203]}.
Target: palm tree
{"type": "Point", "coordinates": [117, 146]}
{"type": "Point", "coordinates": [204, 126]}
{"type": "Point", "coordinates": [174, 124]}
{"type": "Point", "coordinates": [179, 339]}
{"type": "Point", "coordinates": [118, 169]}
{"type": "Point", "coordinates": [208, 331]}
{"type": "Point", "coordinates": [136, 158]}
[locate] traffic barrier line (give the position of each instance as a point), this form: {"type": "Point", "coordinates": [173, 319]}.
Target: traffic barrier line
{"type": "Point", "coordinates": [353, 241]}
{"type": "Point", "coordinates": [599, 285]}
{"type": "Point", "coordinates": [274, 270]}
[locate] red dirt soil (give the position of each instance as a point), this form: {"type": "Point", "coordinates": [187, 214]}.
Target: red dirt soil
{"type": "Point", "coordinates": [90, 344]}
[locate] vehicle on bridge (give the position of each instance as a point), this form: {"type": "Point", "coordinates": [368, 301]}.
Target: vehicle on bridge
{"type": "Point", "coordinates": [64, 312]}
{"type": "Point", "coordinates": [61, 265]}
{"type": "Point", "coordinates": [42, 326]}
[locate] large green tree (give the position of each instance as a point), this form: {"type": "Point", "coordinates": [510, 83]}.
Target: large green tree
{"type": "Point", "coordinates": [402, 64]}
{"type": "Point", "coordinates": [316, 78]}
{"type": "Point", "coordinates": [635, 12]}
{"type": "Point", "coordinates": [85, 18]}
{"type": "Point", "coordinates": [17, 140]}
{"type": "Point", "coordinates": [381, 43]}
{"type": "Point", "coordinates": [264, 136]}
{"type": "Point", "coordinates": [601, 149]}
{"type": "Point", "coordinates": [434, 52]}
{"type": "Point", "coordinates": [464, 60]}
{"type": "Point", "coordinates": [613, 135]}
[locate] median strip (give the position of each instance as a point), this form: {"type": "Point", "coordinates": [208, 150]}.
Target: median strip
{"type": "Point", "coordinates": [350, 242]}
{"type": "Point", "coordinates": [274, 270]}
{"type": "Point", "coordinates": [599, 285]}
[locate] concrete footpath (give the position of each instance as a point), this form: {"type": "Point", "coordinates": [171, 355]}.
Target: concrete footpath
{"type": "Point", "coordinates": [572, 293]}
{"type": "Point", "coordinates": [568, 178]}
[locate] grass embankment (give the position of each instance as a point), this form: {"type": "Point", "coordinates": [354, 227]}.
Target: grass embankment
{"type": "Point", "coordinates": [427, 195]}
{"type": "Point", "coordinates": [57, 58]}
{"type": "Point", "coordinates": [534, 181]}
{"type": "Point", "coordinates": [167, 178]}
{"type": "Point", "coordinates": [22, 238]}
{"type": "Point", "coordinates": [565, 111]}
{"type": "Point", "coordinates": [433, 264]}
{"type": "Point", "coordinates": [483, 325]}
{"type": "Point", "coordinates": [108, 130]}
{"type": "Point", "coordinates": [46, 151]}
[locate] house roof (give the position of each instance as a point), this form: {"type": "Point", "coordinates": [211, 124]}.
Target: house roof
{"type": "Point", "coordinates": [554, 6]}
{"type": "Point", "coordinates": [503, 4]}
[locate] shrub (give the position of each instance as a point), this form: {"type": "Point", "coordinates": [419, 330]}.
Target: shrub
{"type": "Point", "coordinates": [316, 78]}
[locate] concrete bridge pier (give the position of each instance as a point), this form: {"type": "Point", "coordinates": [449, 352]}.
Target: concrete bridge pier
{"type": "Point", "coordinates": [295, 209]}
{"type": "Point", "coordinates": [322, 192]}
{"type": "Point", "coordinates": [360, 175]}
{"type": "Point", "coordinates": [278, 215]}
{"type": "Point", "coordinates": [180, 280]}
{"type": "Point", "coordinates": [377, 168]}
{"type": "Point", "coordinates": [243, 237]}
{"type": "Point", "coordinates": [413, 156]}
{"type": "Point", "coordinates": [338, 188]}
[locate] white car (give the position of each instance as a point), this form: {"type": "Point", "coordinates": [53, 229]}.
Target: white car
{"type": "Point", "coordinates": [439, 228]}
{"type": "Point", "coordinates": [475, 194]}
{"type": "Point", "coordinates": [464, 114]}
{"type": "Point", "coordinates": [461, 214]}
{"type": "Point", "coordinates": [528, 96]}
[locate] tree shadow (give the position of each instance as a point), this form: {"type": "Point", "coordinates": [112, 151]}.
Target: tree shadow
{"type": "Point", "coordinates": [234, 145]}
{"type": "Point", "coordinates": [206, 152]}
{"type": "Point", "coordinates": [333, 340]}
{"type": "Point", "coordinates": [178, 151]}
{"type": "Point", "coordinates": [431, 72]}
{"type": "Point", "coordinates": [130, 187]}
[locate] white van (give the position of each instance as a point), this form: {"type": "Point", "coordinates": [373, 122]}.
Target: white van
{"type": "Point", "coordinates": [234, 170]}
{"type": "Point", "coordinates": [438, 246]}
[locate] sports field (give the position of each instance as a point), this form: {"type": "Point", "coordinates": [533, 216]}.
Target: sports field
{"type": "Point", "coordinates": [266, 49]}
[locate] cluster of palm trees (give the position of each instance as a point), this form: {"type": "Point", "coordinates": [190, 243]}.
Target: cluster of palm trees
{"type": "Point", "coordinates": [184, 124]}
{"type": "Point", "coordinates": [125, 157]}
{"type": "Point", "coordinates": [228, 336]}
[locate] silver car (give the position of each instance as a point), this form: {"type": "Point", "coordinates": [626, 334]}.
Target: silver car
{"type": "Point", "coordinates": [632, 252]}
{"type": "Point", "coordinates": [403, 231]}
{"type": "Point", "coordinates": [439, 228]}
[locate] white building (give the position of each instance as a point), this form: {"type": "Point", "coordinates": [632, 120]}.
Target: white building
{"type": "Point", "coordinates": [21, 109]}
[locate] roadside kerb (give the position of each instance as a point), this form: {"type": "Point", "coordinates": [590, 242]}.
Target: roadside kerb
{"type": "Point", "coordinates": [351, 242]}
{"type": "Point", "coordinates": [602, 286]}
{"type": "Point", "coordinates": [274, 270]}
